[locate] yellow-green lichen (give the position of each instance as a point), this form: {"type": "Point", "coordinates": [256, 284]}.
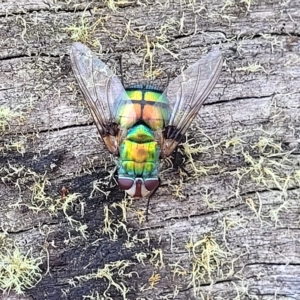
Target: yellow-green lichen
{"type": "Point", "coordinates": [18, 271]}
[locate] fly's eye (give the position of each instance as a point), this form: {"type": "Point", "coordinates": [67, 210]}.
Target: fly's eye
{"type": "Point", "coordinates": [151, 184]}
{"type": "Point", "coordinates": [125, 183]}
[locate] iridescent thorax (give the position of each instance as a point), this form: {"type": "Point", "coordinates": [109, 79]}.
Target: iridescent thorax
{"type": "Point", "coordinates": [144, 112]}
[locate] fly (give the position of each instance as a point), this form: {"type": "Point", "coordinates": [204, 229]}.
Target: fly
{"type": "Point", "coordinates": [141, 124]}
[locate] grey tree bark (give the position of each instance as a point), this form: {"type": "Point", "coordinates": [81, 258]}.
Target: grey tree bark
{"type": "Point", "coordinates": [224, 226]}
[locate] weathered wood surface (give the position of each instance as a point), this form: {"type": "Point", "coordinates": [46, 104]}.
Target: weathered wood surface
{"type": "Point", "coordinates": [242, 203]}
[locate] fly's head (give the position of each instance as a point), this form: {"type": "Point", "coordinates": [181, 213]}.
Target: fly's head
{"type": "Point", "coordinates": [138, 187]}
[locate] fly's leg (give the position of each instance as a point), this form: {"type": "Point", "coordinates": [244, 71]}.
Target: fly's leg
{"type": "Point", "coordinates": [178, 161]}
{"type": "Point", "coordinates": [148, 202]}
{"type": "Point", "coordinates": [112, 175]}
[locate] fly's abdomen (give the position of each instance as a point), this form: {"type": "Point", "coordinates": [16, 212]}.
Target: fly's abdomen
{"type": "Point", "coordinates": [145, 104]}
{"type": "Point", "coordinates": [139, 153]}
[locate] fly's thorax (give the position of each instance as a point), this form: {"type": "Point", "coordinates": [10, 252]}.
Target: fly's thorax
{"type": "Point", "coordinates": [144, 104]}
{"type": "Point", "coordinates": [138, 162]}
{"type": "Point", "coordinates": [139, 153]}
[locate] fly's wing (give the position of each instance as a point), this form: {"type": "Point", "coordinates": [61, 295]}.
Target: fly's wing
{"type": "Point", "coordinates": [102, 90]}
{"type": "Point", "coordinates": [186, 94]}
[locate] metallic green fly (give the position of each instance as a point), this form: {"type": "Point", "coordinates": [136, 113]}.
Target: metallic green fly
{"type": "Point", "coordinates": [141, 124]}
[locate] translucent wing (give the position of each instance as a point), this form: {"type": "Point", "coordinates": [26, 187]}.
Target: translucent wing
{"type": "Point", "coordinates": [186, 94]}
{"type": "Point", "coordinates": [102, 91]}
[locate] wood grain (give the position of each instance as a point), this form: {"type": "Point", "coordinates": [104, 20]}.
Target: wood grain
{"type": "Point", "coordinates": [238, 205]}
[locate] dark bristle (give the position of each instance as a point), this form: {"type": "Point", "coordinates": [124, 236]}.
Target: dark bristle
{"type": "Point", "coordinates": [145, 87]}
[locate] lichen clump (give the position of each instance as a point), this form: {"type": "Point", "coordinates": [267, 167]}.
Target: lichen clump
{"type": "Point", "coordinates": [18, 272]}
